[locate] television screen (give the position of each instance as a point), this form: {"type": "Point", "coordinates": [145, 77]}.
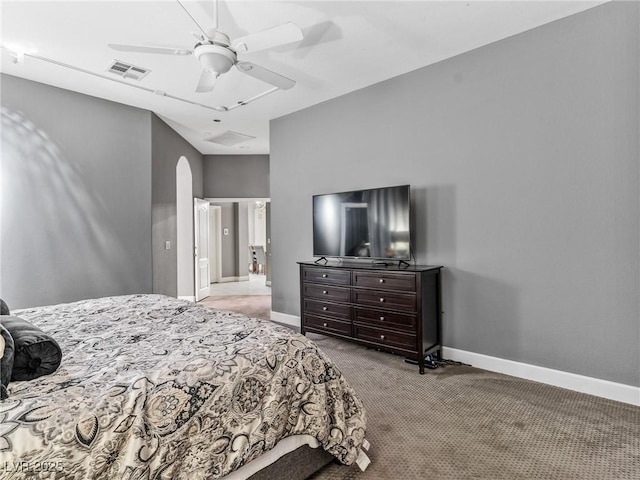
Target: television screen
{"type": "Point", "coordinates": [371, 223]}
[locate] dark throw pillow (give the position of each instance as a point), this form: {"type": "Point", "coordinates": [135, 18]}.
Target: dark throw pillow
{"type": "Point", "coordinates": [4, 308]}
{"type": "Point", "coordinates": [6, 362]}
{"type": "Point", "coordinates": [35, 353]}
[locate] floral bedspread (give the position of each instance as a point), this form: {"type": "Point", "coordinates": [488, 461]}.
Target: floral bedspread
{"type": "Point", "coordinates": [151, 387]}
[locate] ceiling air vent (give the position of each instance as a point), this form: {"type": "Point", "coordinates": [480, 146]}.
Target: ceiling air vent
{"type": "Point", "coordinates": [128, 71]}
{"type": "Point", "coordinates": [229, 138]}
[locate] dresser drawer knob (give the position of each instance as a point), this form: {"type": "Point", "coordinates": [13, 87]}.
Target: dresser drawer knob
{"type": "Point", "coordinates": [382, 280]}
{"type": "Point", "coordinates": [325, 292]}
{"type": "Point", "coordinates": [324, 324]}
{"type": "Point", "coordinates": [324, 275]}
{"type": "Point", "coordinates": [382, 319]}
{"type": "Point", "coordinates": [381, 299]}
{"type": "Point", "coordinates": [325, 308]}
{"type": "Point", "coordinates": [381, 337]}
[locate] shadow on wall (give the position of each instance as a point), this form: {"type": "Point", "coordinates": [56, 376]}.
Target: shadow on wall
{"type": "Point", "coordinates": [434, 221]}
{"type": "Point", "coordinates": [478, 310]}
{"type": "Point", "coordinates": [57, 240]}
{"type": "Point", "coordinates": [482, 315]}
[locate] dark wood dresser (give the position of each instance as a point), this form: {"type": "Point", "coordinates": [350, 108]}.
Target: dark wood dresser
{"type": "Point", "coordinates": [392, 308]}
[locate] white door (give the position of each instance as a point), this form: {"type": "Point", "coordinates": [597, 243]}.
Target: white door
{"type": "Point", "coordinates": [215, 250]}
{"type": "Point", "coordinates": [201, 248]}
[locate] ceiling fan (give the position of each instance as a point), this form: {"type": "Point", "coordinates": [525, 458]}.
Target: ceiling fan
{"type": "Point", "coordinates": [217, 53]}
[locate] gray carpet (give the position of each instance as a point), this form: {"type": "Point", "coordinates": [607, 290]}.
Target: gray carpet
{"type": "Point", "coordinates": [459, 422]}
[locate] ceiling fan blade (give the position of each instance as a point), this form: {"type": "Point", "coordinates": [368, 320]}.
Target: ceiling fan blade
{"type": "Point", "coordinates": [261, 73]}
{"type": "Point", "coordinates": [206, 82]}
{"type": "Point", "coordinates": [269, 38]}
{"type": "Point", "coordinates": [146, 49]}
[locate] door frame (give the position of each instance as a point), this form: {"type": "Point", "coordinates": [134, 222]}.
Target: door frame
{"type": "Point", "coordinates": [215, 252]}
{"type": "Point", "coordinates": [219, 200]}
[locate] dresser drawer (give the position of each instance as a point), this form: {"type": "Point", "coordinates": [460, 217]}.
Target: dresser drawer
{"type": "Point", "coordinates": [327, 292]}
{"type": "Point", "coordinates": [334, 310]}
{"type": "Point", "coordinates": [383, 319]}
{"type": "Point", "coordinates": [404, 302]}
{"type": "Point", "coordinates": [386, 281]}
{"type": "Point", "coordinates": [382, 336]}
{"type": "Point", "coordinates": [328, 325]}
{"type": "Point", "coordinates": [328, 276]}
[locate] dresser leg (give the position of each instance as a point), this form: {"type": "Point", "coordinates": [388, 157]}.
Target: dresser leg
{"type": "Point", "coordinates": [420, 362]}
{"type": "Point", "coordinates": [429, 360]}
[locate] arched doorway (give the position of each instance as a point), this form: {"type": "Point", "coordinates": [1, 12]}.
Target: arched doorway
{"type": "Point", "coordinates": [184, 229]}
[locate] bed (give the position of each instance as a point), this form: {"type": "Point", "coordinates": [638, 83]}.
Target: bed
{"type": "Point", "coordinates": [152, 387]}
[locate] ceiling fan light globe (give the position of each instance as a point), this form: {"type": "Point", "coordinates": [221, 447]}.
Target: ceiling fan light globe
{"type": "Point", "coordinates": [215, 58]}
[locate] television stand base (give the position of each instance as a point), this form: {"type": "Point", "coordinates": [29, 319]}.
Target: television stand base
{"type": "Point", "coordinates": [401, 263]}
{"type": "Point", "coordinates": [382, 262]}
{"type": "Point", "coordinates": [394, 309]}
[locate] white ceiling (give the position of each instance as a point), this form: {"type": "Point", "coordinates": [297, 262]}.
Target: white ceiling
{"type": "Point", "coordinates": [348, 45]}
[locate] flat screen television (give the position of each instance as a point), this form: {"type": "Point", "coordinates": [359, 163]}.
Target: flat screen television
{"type": "Point", "coordinates": [372, 223]}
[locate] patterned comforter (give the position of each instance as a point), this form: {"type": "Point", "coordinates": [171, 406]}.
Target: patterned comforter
{"type": "Point", "coordinates": [151, 387]}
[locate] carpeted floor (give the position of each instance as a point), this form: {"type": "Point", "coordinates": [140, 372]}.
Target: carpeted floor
{"type": "Point", "coordinates": [257, 306]}
{"type": "Point", "coordinates": [458, 422]}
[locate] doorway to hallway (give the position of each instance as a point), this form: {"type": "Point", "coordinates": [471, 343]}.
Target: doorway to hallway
{"type": "Point", "coordinates": [252, 298]}
{"type": "Point", "coordinates": [243, 235]}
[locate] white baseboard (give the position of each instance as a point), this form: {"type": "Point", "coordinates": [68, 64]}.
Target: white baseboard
{"type": "Point", "coordinates": [579, 383]}
{"type": "Point", "coordinates": [234, 279]}
{"type": "Point", "coordinates": [190, 298]}
{"type": "Point", "coordinates": [285, 318]}
{"type": "Point", "coordinates": [571, 381]}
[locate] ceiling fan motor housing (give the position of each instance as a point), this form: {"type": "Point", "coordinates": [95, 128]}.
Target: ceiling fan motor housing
{"type": "Point", "coordinates": [215, 58]}
{"type": "Point", "coordinates": [215, 55]}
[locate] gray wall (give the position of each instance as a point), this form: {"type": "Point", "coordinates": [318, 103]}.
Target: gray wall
{"type": "Point", "coordinates": [167, 148]}
{"type": "Point", "coordinates": [236, 176]}
{"type": "Point", "coordinates": [523, 157]}
{"type": "Point", "coordinates": [76, 196]}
